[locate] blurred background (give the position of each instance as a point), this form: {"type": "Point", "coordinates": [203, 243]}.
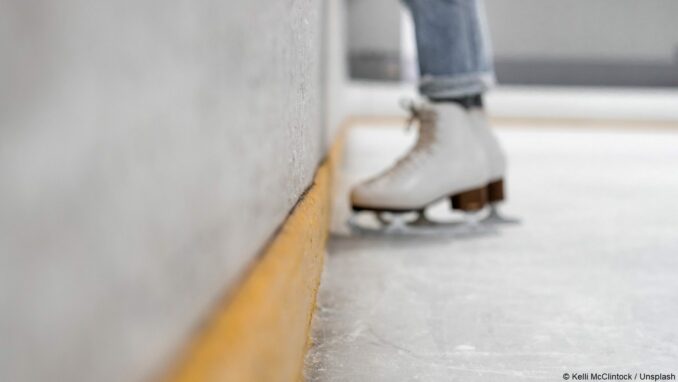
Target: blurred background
{"type": "Point", "coordinates": [150, 149]}
{"type": "Point", "coordinates": [602, 60]}
{"type": "Point", "coordinates": [536, 42]}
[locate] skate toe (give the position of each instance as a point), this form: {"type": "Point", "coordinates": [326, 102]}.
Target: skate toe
{"type": "Point", "coordinates": [363, 197]}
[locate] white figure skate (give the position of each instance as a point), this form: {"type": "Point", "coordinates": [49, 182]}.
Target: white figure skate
{"type": "Point", "coordinates": [447, 161]}
{"type": "Point", "coordinates": [496, 167]}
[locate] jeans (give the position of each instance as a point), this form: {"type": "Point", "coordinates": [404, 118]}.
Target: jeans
{"type": "Point", "coordinates": [453, 47]}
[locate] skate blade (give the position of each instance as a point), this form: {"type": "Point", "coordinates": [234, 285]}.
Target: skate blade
{"type": "Point", "coordinates": [495, 217]}
{"type": "Point", "coordinates": [421, 226]}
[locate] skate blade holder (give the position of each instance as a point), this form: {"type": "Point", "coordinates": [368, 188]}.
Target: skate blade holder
{"type": "Point", "coordinates": [494, 197]}
{"type": "Point", "coordinates": [495, 217]}
{"type": "Point", "coordinates": [416, 223]}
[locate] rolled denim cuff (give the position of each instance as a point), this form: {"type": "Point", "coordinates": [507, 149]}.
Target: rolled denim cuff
{"type": "Point", "coordinates": [456, 86]}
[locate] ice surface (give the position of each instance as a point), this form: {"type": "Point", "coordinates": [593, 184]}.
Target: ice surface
{"type": "Point", "coordinates": [587, 283]}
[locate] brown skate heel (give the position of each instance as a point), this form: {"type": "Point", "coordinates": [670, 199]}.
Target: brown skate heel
{"type": "Point", "coordinates": [471, 200]}
{"type": "Point", "coordinates": [495, 191]}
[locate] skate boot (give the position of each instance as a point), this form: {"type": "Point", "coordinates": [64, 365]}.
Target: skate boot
{"type": "Point", "coordinates": [496, 166]}
{"type": "Point", "coordinates": [447, 161]}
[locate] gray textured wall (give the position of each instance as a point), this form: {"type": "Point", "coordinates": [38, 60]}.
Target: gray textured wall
{"type": "Point", "coordinates": [148, 149]}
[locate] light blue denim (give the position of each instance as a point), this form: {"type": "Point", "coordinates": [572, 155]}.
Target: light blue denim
{"type": "Point", "coordinates": [453, 47]}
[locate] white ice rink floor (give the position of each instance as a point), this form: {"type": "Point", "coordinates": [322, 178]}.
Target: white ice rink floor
{"type": "Point", "coordinates": [588, 282]}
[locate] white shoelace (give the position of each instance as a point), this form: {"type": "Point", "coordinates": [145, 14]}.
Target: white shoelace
{"type": "Point", "coordinates": [413, 158]}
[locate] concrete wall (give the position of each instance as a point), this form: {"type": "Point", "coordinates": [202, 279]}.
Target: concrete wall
{"type": "Point", "coordinates": [148, 150]}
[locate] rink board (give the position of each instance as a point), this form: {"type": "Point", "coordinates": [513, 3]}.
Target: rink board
{"type": "Point", "coordinates": [261, 332]}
